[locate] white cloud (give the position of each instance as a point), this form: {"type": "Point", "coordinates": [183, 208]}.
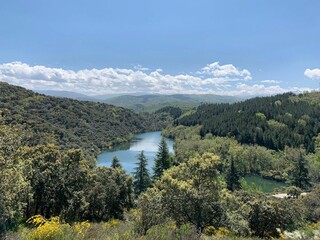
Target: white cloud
{"type": "Point", "coordinates": [214, 78]}
{"type": "Point", "coordinates": [141, 68]}
{"type": "Point", "coordinates": [271, 81]}
{"type": "Point", "coordinates": [260, 89]}
{"type": "Point", "coordinates": [228, 70]}
{"type": "Point", "coordinates": [312, 73]}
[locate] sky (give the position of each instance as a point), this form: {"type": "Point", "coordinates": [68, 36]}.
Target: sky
{"type": "Point", "coordinates": [225, 47]}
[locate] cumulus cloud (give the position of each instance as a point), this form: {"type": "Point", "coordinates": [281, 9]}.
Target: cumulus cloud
{"type": "Point", "coordinates": [213, 78]}
{"type": "Point", "coordinates": [227, 71]}
{"type": "Point", "coordinates": [260, 89]}
{"type": "Point", "coordinates": [312, 73]}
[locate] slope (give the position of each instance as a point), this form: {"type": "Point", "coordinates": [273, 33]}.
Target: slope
{"type": "Point", "coordinates": [66, 122]}
{"type": "Point", "coordinates": [273, 122]}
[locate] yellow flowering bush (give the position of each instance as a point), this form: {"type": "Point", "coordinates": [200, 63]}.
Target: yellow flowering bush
{"type": "Point", "coordinates": [210, 230]}
{"type": "Point", "coordinates": [51, 229]}
{"type": "Point", "coordinates": [222, 232]}
{"type": "Point", "coordinates": [54, 229]}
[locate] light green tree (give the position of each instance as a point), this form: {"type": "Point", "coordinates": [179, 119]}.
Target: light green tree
{"type": "Point", "coordinates": [13, 186]}
{"type": "Point", "coordinates": [191, 192]}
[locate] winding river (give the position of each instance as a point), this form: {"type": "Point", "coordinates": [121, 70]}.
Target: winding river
{"type": "Point", "coordinates": [127, 153]}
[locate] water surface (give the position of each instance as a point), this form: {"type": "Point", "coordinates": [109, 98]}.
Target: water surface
{"type": "Point", "coordinates": [127, 153]}
{"type": "Point", "coordinates": [262, 184]}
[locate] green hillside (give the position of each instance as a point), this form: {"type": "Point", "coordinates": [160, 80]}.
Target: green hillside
{"type": "Point", "coordinates": [66, 122]}
{"type": "Point", "coordinates": [274, 122]}
{"type": "Point", "coordinates": [151, 103]}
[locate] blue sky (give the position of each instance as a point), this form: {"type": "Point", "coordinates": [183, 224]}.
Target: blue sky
{"type": "Point", "coordinates": [97, 47]}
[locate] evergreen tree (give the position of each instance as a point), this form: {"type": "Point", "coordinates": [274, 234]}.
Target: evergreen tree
{"type": "Point", "coordinates": [162, 160]}
{"type": "Point", "coordinates": [299, 174]}
{"type": "Point", "coordinates": [115, 162]}
{"type": "Point", "coordinates": [141, 176]}
{"type": "Point", "coordinates": [233, 178]}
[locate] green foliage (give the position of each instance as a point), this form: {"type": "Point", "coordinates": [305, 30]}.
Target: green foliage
{"type": "Point", "coordinates": [267, 216]}
{"type": "Point", "coordinates": [190, 192]}
{"type": "Point", "coordinates": [115, 162]}
{"type": "Point", "coordinates": [261, 116]}
{"type": "Point", "coordinates": [109, 194]}
{"type": "Point", "coordinates": [151, 211]}
{"type": "Point", "coordinates": [13, 186]}
{"type": "Point", "coordinates": [247, 159]}
{"type": "Point", "coordinates": [294, 191]}
{"type": "Point", "coordinates": [170, 231]}
{"type": "Point", "coordinates": [311, 203]}
{"type": "Point", "coordinates": [162, 161]}
{"type": "Point", "coordinates": [68, 123]}
{"type": "Point", "coordinates": [233, 178]}
{"type": "Point", "coordinates": [298, 173]}
{"type": "Point", "coordinates": [309, 97]}
{"type": "Point", "coordinates": [174, 112]}
{"type": "Point", "coordinates": [287, 122]}
{"type": "Point", "coordinates": [152, 103]}
{"type": "Point", "coordinates": [142, 178]}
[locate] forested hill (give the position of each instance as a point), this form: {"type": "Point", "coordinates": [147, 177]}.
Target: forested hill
{"type": "Point", "coordinates": [273, 122]}
{"type": "Point", "coordinates": [65, 122]}
{"type": "Point", "coordinates": [151, 103]}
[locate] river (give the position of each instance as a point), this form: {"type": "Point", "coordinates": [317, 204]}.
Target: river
{"type": "Point", "coordinates": [127, 153]}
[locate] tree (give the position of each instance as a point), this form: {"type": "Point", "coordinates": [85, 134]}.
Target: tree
{"type": "Point", "coordinates": [294, 192]}
{"type": "Point", "coordinates": [109, 194]}
{"type": "Point", "coordinates": [13, 185]}
{"type": "Point", "coordinates": [191, 192]}
{"type": "Point", "coordinates": [299, 173]}
{"type": "Point", "coordinates": [233, 178]}
{"type": "Point", "coordinates": [152, 212]}
{"type": "Point", "coordinates": [266, 216]}
{"type": "Point", "coordinates": [162, 161]}
{"type": "Point", "coordinates": [115, 162]}
{"type": "Point", "coordinates": [141, 176]}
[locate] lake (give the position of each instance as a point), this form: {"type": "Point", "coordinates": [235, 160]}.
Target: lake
{"type": "Point", "coordinates": [264, 185]}
{"type": "Point", "coordinates": [127, 153]}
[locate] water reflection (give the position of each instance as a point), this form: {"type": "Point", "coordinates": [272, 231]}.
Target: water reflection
{"type": "Point", "coordinates": [127, 153]}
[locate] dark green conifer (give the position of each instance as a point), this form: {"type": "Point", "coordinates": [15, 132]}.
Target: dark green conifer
{"type": "Point", "coordinates": [115, 162]}
{"type": "Point", "coordinates": [299, 174]}
{"type": "Point", "coordinates": [162, 160]}
{"type": "Point", "coordinates": [141, 175]}
{"type": "Point", "coordinates": [233, 178]}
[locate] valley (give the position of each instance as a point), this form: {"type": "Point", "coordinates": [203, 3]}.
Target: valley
{"type": "Point", "coordinates": [86, 161]}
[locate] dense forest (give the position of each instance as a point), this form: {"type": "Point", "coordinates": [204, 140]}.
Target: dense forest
{"type": "Point", "coordinates": [67, 123]}
{"type": "Point", "coordinates": [51, 189]}
{"type": "Point", "coordinates": [273, 122]}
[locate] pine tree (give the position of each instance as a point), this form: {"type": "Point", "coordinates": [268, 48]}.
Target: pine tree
{"type": "Point", "coordinates": [115, 162]}
{"type": "Point", "coordinates": [299, 174]}
{"type": "Point", "coordinates": [141, 175]}
{"type": "Point", "coordinates": [233, 178]}
{"type": "Point", "coordinates": [162, 160]}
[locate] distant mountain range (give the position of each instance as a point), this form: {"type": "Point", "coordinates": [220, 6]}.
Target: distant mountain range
{"type": "Point", "coordinates": [68, 94]}
{"type": "Point", "coordinates": [80, 96]}
{"type": "Point", "coordinates": [150, 103]}
{"type": "Point", "coordinates": [140, 102]}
